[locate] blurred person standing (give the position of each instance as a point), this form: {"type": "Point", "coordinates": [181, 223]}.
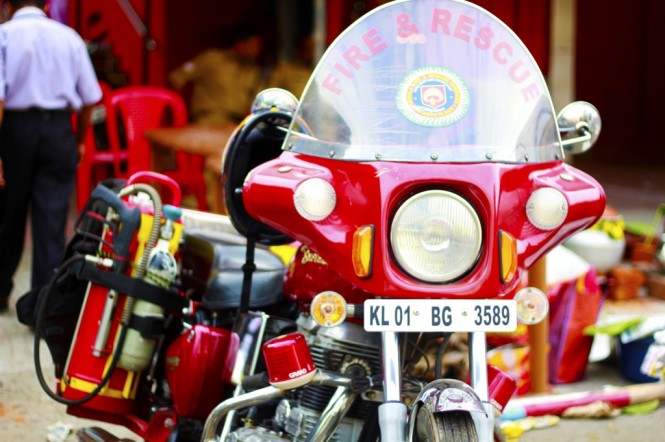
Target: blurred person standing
{"type": "Point", "coordinates": [45, 75]}
{"type": "Point", "coordinates": [224, 81]}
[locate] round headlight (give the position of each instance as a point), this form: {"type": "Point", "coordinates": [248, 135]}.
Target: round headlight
{"type": "Point", "coordinates": [436, 236]}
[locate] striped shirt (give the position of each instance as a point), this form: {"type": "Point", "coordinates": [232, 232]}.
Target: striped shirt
{"type": "Point", "coordinates": [44, 64]}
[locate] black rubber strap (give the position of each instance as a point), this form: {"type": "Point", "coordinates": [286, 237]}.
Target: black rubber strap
{"type": "Point", "coordinates": [150, 327]}
{"type": "Point", "coordinates": [134, 287]}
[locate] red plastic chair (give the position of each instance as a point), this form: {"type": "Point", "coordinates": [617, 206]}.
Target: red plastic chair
{"type": "Point", "coordinates": [134, 109]}
{"type": "Point", "coordinates": [99, 161]}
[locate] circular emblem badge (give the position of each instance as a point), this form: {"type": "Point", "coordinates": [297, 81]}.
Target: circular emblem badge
{"type": "Point", "coordinates": [433, 96]}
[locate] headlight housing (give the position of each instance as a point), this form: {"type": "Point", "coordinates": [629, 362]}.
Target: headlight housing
{"type": "Point", "coordinates": [436, 236]}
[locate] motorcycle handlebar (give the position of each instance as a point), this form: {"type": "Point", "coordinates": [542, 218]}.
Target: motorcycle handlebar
{"type": "Point", "coordinates": [255, 381]}
{"type": "Point", "coordinates": [355, 310]}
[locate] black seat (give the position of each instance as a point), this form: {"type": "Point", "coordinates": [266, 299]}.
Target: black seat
{"type": "Point", "coordinates": [213, 267]}
{"type": "Point", "coordinates": [225, 283]}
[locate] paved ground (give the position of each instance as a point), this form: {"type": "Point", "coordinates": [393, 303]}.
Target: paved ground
{"type": "Point", "coordinates": [26, 412]}
{"type": "Point", "coordinates": [646, 428]}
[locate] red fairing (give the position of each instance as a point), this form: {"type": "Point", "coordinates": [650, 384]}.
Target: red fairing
{"type": "Point", "coordinates": [369, 193]}
{"type": "Point", "coordinates": [198, 369]}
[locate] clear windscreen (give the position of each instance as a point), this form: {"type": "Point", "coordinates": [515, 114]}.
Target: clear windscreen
{"type": "Point", "coordinates": [427, 80]}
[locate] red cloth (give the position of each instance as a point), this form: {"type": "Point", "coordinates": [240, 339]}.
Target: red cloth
{"type": "Point", "coordinates": [574, 305]}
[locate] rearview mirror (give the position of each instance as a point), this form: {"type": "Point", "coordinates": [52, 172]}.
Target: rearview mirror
{"type": "Point", "coordinates": [579, 125]}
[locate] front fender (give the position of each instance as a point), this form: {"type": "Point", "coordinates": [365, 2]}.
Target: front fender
{"type": "Point", "coordinates": [449, 395]}
{"type": "Point", "coordinates": [445, 395]}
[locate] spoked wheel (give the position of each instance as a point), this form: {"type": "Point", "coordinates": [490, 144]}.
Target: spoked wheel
{"type": "Point", "coordinates": [452, 426]}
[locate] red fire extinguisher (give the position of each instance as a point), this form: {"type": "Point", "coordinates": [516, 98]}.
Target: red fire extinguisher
{"type": "Point", "coordinates": [122, 314]}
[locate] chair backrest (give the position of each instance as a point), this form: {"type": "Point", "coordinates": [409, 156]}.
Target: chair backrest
{"type": "Point", "coordinates": [97, 150]}
{"type": "Point", "coordinates": [106, 89]}
{"type": "Point", "coordinates": [106, 92]}
{"type": "Point", "coordinates": [131, 110]}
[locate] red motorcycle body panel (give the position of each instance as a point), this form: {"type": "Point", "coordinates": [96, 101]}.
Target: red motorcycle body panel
{"type": "Point", "coordinates": [368, 193]}
{"type": "Point", "coordinates": [158, 429]}
{"type": "Point", "coordinates": [198, 368]}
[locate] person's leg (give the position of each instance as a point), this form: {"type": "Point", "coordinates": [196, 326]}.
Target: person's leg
{"type": "Point", "coordinates": [17, 149]}
{"type": "Point", "coordinates": [55, 175]}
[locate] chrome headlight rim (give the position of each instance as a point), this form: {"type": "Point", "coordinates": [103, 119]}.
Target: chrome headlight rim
{"type": "Point", "coordinates": [476, 225]}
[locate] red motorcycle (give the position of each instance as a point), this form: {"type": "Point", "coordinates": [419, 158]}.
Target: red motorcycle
{"type": "Point", "coordinates": [421, 175]}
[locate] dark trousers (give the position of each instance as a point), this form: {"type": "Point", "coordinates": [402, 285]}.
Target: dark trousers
{"type": "Point", "coordinates": [38, 151]}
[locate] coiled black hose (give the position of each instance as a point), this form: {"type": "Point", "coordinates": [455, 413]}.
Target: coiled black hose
{"type": "Point", "coordinates": [42, 302]}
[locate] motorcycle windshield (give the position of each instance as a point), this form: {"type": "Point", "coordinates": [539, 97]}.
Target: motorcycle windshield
{"type": "Point", "coordinates": [427, 80]}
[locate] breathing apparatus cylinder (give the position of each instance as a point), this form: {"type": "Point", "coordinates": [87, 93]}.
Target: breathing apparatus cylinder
{"type": "Point", "coordinates": [161, 271]}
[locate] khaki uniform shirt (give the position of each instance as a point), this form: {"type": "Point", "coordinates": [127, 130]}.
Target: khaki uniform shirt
{"type": "Point", "coordinates": [224, 87]}
{"type": "Point", "coordinates": [290, 76]}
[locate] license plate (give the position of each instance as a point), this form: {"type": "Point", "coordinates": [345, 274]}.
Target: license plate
{"type": "Point", "coordinates": [435, 315]}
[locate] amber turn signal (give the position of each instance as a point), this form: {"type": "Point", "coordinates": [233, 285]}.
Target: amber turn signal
{"type": "Point", "coordinates": [328, 309]}
{"type": "Point", "coordinates": [361, 255]}
{"type": "Point", "coordinates": [507, 256]}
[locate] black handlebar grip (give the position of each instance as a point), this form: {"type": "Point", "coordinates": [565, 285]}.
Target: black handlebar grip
{"type": "Point", "coordinates": [256, 381]}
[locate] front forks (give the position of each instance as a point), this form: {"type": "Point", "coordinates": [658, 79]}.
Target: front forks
{"type": "Point", "coordinates": [480, 384]}
{"type": "Point", "coordinates": [393, 412]}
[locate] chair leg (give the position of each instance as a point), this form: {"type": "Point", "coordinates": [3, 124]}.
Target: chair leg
{"type": "Point", "coordinates": [200, 191]}
{"type": "Point", "coordinates": [83, 184]}
{"type": "Point", "coordinates": [88, 176]}
{"type": "Point", "coordinates": [199, 186]}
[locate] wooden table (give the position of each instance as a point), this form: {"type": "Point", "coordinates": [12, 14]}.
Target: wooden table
{"type": "Point", "coordinates": [208, 141]}
{"type": "Point", "coordinates": [193, 138]}
{"type": "Point", "coordinates": [213, 164]}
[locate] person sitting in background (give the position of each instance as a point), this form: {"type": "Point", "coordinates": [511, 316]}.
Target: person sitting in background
{"type": "Point", "coordinates": [225, 81]}
{"type": "Point", "coordinates": [293, 75]}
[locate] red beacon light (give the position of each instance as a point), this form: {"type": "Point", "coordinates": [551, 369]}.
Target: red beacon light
{"type": "Point", "coordinates": [289, 361]}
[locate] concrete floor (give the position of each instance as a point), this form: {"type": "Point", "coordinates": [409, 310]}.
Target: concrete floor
{"type": "Point", "coordinates": [26, 411]}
